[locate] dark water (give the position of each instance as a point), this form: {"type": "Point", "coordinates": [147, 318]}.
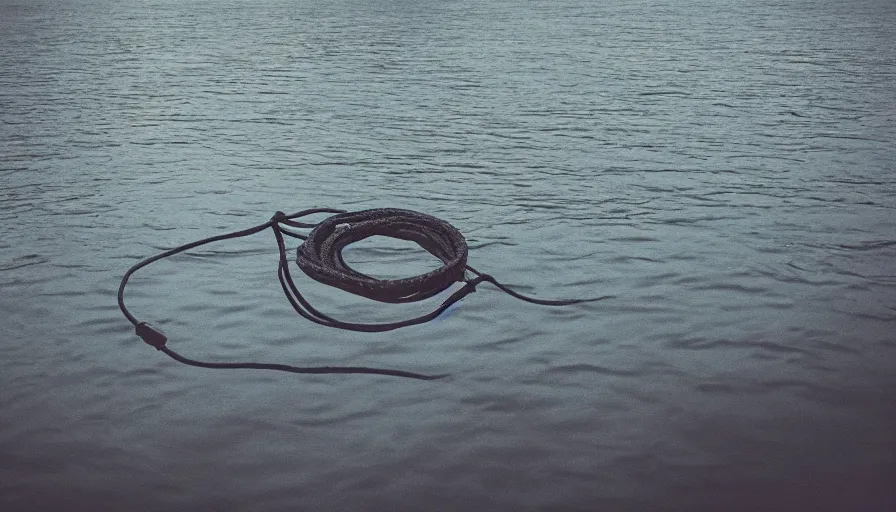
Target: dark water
{"type": "Point", "coordinates": [726, 169]}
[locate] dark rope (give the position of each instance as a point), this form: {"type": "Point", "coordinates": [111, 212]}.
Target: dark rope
{"type": "Point", "coordinates": [320, 257]}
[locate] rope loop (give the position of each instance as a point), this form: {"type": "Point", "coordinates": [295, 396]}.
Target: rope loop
{"type": "Point", "coordinates": [320, 257]}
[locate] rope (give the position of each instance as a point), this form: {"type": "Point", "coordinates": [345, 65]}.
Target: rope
{"type": "Point", "coordinates": [320, 257]}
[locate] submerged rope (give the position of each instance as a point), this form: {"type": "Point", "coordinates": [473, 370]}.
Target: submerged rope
{"type": "Point", "coordinates": [320, 257]}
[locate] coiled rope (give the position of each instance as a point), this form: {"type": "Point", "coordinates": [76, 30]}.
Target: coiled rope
{"type": "Point", "coordinates": [320, 257]}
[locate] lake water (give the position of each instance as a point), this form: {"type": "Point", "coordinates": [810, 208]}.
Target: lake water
{"type": "Point", "coordinates": [725, 169]}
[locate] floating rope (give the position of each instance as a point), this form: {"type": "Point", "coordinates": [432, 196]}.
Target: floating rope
{"type": "Point", "coordinates": [320, 257]}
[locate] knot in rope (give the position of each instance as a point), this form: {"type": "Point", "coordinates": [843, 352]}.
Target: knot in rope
{"type": "Point", "coordinates": [278, 217]}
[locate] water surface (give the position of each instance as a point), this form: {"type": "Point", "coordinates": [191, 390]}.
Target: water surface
{"type": "Point", "coordinates": [725, 169]}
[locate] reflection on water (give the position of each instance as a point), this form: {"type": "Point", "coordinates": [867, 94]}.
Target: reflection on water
{"type": "Point", "coordinates": [724, 169]}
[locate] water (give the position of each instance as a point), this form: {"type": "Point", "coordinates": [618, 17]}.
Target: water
{"type": "Point", "coordinates": [725, 169]}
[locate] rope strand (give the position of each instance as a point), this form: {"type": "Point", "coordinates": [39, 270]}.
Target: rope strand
{"type": "Point", "coordinates": [320, 257]}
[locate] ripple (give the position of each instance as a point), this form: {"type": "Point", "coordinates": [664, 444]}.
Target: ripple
{"type": "Point", "coordinates": [573, 369]}
{"type": "Point", "coordinates": [869, 245]}
{"type": "Point", "coordinates": [23, 261]}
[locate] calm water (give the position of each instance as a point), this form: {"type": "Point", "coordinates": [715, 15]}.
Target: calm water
{"type": "Point", "coordinates": [726, 169]}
